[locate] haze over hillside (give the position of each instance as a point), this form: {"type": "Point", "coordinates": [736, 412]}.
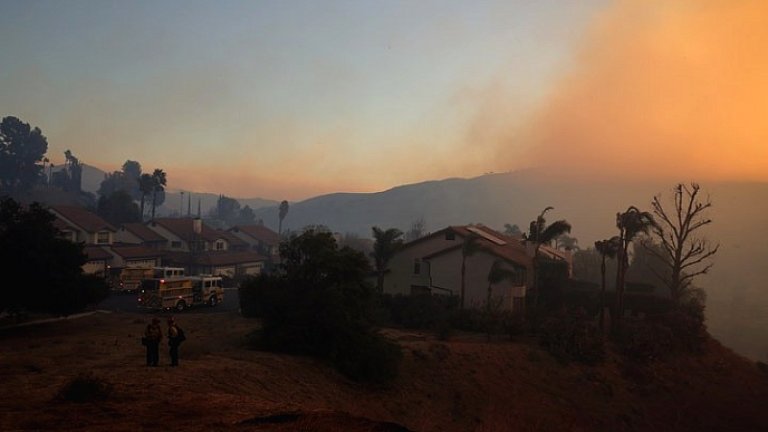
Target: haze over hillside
{"type": "Point", "coordinates": [737, 300]}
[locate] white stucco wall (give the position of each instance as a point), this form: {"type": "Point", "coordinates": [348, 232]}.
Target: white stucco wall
{"type": "Point", "coordinates": [445, 272]}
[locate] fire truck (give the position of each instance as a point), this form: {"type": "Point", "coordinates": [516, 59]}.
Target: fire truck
{"type": "Point", "coordinates": [181, 292]}
{"type": "Point", "coordinates": [130, 277]}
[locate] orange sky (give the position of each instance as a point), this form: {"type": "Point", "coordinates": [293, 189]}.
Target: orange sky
{"type": "Point", "coordinates": [283, 101]}
{"type": "Point", "coordinates": [673, 89]}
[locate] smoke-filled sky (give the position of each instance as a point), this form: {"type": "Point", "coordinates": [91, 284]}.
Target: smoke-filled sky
{"type": "Point", "coordinates": [287, 100]}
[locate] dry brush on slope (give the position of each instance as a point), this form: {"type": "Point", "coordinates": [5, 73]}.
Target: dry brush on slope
{"type": "Point", "coordinates": [465, 384]}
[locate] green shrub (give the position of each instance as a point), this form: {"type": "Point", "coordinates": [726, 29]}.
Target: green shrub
{"type": "Point", "coordinates": [86, 387]}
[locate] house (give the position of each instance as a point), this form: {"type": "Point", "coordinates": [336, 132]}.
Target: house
{"type": "Point", "coordinates": [260, 238]}
{"type": "Point", "coordinates": [190, 235]}
{"type": "Point", "coordinates": [99, 260]}
{"type": "Point", "coordinates": [192, 244]}
{"type": "Point", "coordinates": [232, 265]}
{"type": "Point", "coordinates": [82, 226]}
{"type": "Point", "coordinates": [138, 233]}
{"type": "Point", "coordinates": [134, 255]}
{"type": "Point", "coordinates": [100, 241]}
{"type": "Point", "coordinates": [432, 264]}
{"type": "Point", "coordinates": [78, 225]}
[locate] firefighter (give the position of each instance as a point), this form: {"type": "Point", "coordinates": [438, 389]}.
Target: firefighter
{"type": "Point", "coordinates": [174, 340]}
{"type": "Point", "coordinates": [152, 337]}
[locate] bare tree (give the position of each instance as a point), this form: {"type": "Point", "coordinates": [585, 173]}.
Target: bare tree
{"type": "Point", "coordinates": [684, 250]}
{"type": "Point", "coordinates": [417, 230]}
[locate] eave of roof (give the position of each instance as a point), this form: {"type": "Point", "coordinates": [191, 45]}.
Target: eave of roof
{"type": "Point", "coordinates": [82, 218]}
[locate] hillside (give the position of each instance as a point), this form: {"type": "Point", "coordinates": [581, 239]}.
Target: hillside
{"type": "Point", "coordinates": [737, 300]}
{"type": "Point", "coordinates": [465, 384]}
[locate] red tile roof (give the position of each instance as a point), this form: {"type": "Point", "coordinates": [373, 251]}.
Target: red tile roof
{"type": "Point", "coordinates": [259, 232]}
{"type": "Point", "coordinates": [508, 248]}
{"type": "Point", "coordinates": [184, 228]}
{"type": "Point", "coordinates": [233, 240]}
{"type": "Point", "coordinates": [97, 253]}
{"type": "Point", "coordinates": [143, 232]}
{"type": "Point", "coordinates": [82, 218]}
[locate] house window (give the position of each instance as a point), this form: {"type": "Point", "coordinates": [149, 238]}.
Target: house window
{"type": "Point", "coordinates": [219, 245]}
{"type": "Point", "coordinates": [450, 235]}
{"type": "Point", "coordinates": [176, 244]}
{"type": "Point", "coordinates": [417, 266]}
{"type": "Point", "coordinates": [102, 237]}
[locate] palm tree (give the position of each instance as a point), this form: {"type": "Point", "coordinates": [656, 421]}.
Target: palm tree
{"type": "Point", "coordinates": [468, 248]}
{"type": "Point", "coordinates": [607, 249]}
{"type": "Point", "coordinates": [386, 244]}
{"type": "Point", "coordinates": [283, 212]}
{"type": "Point", "coordinates": [630, 223]}
{"type": "Point", "coordinates": [145, 187]}
{"type": "Point", "coordinates": [159, 181]}
{"type": "Point", "coordinates": [539, 234]}
{"type": "Point", "coordinates": [496, 274]}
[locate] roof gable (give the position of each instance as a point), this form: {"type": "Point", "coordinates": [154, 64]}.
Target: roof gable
{"type": "Point", "coordinates": [495, 243]}
{"type": "Point", "coordinates": [81, 218]}
{"type": "Point", "coordinates": [258, 232]}
{"type": "Point", "coordinates": [143, 232]}
{"type": "Point", "coordinates": [183, 228]}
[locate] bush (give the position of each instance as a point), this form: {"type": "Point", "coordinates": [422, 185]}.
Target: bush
{"type": "Point", "coordinates": [655, 336]}
{"type": "Point", "coordinates": [368, 358]}
{"type": "Point", "coordinates": [568, 334]}
{"type": "Point", "coordinates": [423, 311]}
{"type": "Point", "coordinates": [320, 305]}
{"type": "Point", "coordinates": [86, 387]}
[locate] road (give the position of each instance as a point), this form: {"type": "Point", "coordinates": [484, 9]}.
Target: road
{"type": "Point", "coordinates": [126, 302]}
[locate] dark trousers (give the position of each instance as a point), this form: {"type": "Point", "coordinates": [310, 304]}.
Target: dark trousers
{"type": "Point", "coordinates": [153, 352]}
{"type": "Point", "coordinates": [174, 354]}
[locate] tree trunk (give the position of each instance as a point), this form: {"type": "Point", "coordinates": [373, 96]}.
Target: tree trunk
{"type": "Point", "coordinates": [463, 273]}
{"type": "Point", "coordinates": [618, 307]}
{"type": "Point", "coordinates": [154, 197]}
{"type": "Point", "coordinates": [602, 298]}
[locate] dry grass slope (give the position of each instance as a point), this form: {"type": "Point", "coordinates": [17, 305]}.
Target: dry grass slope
{"type": "Point", "coordinates": [463, 385]}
